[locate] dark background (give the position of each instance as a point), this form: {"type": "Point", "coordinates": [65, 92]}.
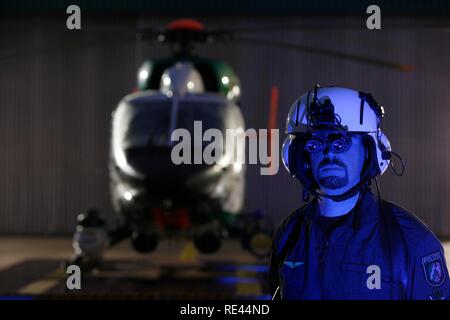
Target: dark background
{"type": "Point", "coordinates": [59, 87]}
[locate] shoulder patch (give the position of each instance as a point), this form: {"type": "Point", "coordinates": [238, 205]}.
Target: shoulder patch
{"type": "Point", "coordinates": [433, 268]}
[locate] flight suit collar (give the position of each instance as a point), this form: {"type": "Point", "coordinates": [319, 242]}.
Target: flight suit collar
{"type": "Point", "coordinates": [361, 215]}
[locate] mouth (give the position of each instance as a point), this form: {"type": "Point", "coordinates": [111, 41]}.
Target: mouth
{"type": "Point", "coordinates": [331, 168]}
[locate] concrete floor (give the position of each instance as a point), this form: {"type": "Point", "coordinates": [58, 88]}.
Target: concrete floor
{"type": "Point", "coordinates": [16, 249]}
{"type": "Point", "coordinates": [34, 265]}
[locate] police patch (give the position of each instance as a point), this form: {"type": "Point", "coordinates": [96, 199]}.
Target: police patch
{"type": "Point", "coordinates": [433, 268]}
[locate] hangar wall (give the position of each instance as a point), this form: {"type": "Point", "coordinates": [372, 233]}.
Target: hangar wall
{"type": "Point", "coordinates": [55, 110]}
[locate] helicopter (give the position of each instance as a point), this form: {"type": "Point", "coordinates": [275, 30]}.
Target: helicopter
{"type": "Point", "coordinates": [155, 198]}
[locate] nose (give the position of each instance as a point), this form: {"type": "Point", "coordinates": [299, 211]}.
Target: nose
{"type": "Point", "coordinates": [326, 151]}
{"type": "Point", "coordinates": [330, 157]}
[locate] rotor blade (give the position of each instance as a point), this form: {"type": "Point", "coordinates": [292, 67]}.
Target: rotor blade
{"type": "Point", "coordinates": [326, 52]}
{"type": "Point", "coordinates": [69, 45]}
{"type": "Point", "coordinates": [433, 26]}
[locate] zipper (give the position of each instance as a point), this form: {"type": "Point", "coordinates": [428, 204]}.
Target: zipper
{"type": "Point", "coordinates": [322, 261]}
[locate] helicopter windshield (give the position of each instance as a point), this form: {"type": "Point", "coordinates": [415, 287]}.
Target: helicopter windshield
{"type": "Point", "coordinates": [151, 121]}
{"type": "Point", "coordinates": [143, 124]}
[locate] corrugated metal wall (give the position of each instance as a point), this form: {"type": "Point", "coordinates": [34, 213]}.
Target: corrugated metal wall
{"type": "Point", "coordinates": [55, 109]}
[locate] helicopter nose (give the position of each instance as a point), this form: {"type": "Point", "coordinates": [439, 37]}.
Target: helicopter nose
{"type": "Point", "coordinates": [155, 163]}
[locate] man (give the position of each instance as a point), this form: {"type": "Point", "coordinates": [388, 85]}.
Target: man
{"type": "Point", "coordinates": [346, 243]}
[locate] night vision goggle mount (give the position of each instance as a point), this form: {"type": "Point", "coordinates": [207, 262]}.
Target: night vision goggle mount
{"type": "Point", "coordinates": [320, 115]}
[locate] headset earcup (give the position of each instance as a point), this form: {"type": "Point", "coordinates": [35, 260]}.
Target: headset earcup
{"type": "Point", "coordinates": [292, 161]}
{"type": "Point", "coordinates": [286, 153]}
{"type": "Point", "coordinates": [370, 168]}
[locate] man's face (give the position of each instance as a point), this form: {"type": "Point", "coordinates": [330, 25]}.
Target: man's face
{"type": "Point", "coordinates": [336, 173]}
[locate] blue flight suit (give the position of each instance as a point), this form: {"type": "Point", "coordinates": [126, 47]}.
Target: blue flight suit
{"type": "Point", "coordinates": [356, 261]}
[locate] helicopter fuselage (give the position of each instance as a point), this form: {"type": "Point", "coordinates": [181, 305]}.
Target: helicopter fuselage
{"type": "Point", "coordinates": [150, 191]}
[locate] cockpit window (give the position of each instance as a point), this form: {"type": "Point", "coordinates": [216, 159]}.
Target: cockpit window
{"type": "Point", "coordinates": [151, 120]}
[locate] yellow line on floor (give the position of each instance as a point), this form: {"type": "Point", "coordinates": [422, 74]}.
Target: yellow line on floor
{"type": "Point", "coordinates": [44, 284]}
{"type": "Point", "coordinates": [248, 289]}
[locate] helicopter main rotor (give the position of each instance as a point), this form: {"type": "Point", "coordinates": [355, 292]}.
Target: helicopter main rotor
{"type": "Point", "coordinates": [183, 35]}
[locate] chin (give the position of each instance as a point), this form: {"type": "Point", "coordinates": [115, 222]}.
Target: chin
{"type": "Point", "coordinates": [338, 191]}
{"type": "Point", "coordinates": [334, 192]}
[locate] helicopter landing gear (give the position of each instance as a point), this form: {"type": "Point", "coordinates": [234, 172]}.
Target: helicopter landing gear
{"type": "Point", "coordinates": [257, 235]}
{"type": "Point", "coordinates": [208, 242]}
{"type": "Point", "coordinates": [89, 241]}
{"type": "Point", "coordinates": [258, 243]}
{"type": "Point", "coordinates": [144, 242]}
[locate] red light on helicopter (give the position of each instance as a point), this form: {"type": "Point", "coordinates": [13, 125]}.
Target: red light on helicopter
{"type": "Point", "coordinates": [186, 24]}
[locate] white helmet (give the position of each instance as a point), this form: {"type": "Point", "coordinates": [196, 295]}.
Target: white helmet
{"type": "Point", "coordinates": [336, 108]}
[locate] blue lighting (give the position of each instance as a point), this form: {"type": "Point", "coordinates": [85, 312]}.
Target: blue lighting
{"type": "Point", "coordinates": [244, 267]}
{"type": "Point", "coordinates": [260, 297]}
{"type": "Point", "coordinates": [16, 298]}
{"type": "Point", "coordinates": [235, 280]}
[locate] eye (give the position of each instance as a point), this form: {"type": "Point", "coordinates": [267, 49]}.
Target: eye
{"type": "Point", "coordinates": [313, 145]}
{"type": "Point", "coordinates": [338, 145]}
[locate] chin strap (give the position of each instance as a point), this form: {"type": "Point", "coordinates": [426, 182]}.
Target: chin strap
{"type": "Point", "coordinates": [363, 185]}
